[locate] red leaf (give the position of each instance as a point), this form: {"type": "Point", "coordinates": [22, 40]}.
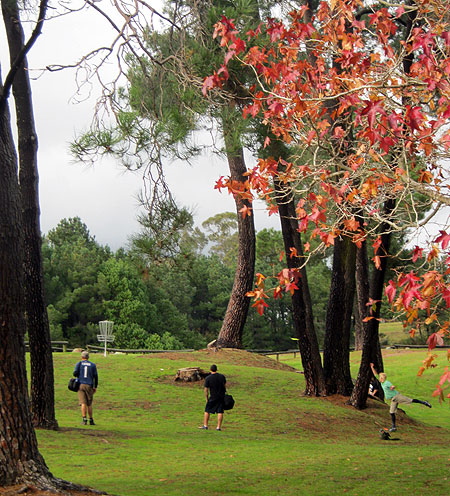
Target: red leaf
{"type": "Point", "coordinates": [444, 238]}
{"type": "Point", "coordinates": [372, 109]}
{"type": "Point", "coordinates": [414, 118]}
{"type": "Point", "coordinates": [220, 183]}
{"type": "Point", "coordinates": [400, 11]}
{"type": "Point", "coordinates": [417, 253]}
{"type": "Point", "coordinates": [376, 244]}
{"type": "Point", "coordinates": [446, 296]}
{"type": "Point", "coordinates": [434, 340]}
{"type": "Point", "coordinates": [276, 108]}
{"type": "Point", "coordinates": [238, 45]}
{"type": "Point", "coordinates": [446, 37]}
{"type": "Point", "coordinates": [293, 252]}
{"type": "Point", "coordinates": [229, 56]}
{"type": "Point", "coordinates": [445, 377]}
{"type": "Point", "coordinates": [386, 142]}
{"type": "Point", "coordinates": [393, 121]}
{"type": "Point", "coordinates": [260, 305]}
{"type": "Point", "coordinates": [390, 291]}
{"type": "Point", "coordinates": [208, 84]}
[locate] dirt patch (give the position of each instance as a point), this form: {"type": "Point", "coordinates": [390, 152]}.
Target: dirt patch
{"type": "Point", "coordinates": [226, 355]}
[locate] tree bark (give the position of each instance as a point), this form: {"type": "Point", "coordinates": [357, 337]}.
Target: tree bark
{"type": "Point", "coordinates": [302, 313]}
{"type": "Point", "coordinates": [230, 335]}
{"type": "Point", "coordinates": [19, 456]}
{"type": "Point", "coordinates": [359, 327]}
{"type": "Point", "coordinates": [371, 351]}
{"type": "Point", "coordinates": [42, 378]}
{"type": "Point", "coordinates": [336, 362]}
{"type": "Point", "coordinates": [363, 294]}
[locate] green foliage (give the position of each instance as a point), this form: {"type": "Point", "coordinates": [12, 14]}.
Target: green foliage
{"type": "Point", "coordinates": [124, 295]}
{"type": "Point", "coordinates": [164, 342]}
{"type": "Point", "coordinates": [71, 262]}
{"type": "Point", "coordinates": [129, 336]}
{"type": "Point", "coordinates": [167, 231]}
{"type": "Point", "coordinates": [165, 291]}
{"type": "Point", "coordinates": [222, 233]}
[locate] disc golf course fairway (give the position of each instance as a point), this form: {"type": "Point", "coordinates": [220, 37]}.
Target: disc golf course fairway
{"type": "Point", "coordinates": [147, 441]}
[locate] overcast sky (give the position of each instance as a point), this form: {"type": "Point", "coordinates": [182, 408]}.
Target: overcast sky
{"type": "Point", "coordinates": [103, 196]}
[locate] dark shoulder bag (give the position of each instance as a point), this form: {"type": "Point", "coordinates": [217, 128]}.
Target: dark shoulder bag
{"type": "Point", "coordinates": [73, 385]}
{"type": "Point", "coordinates": [228, 402]}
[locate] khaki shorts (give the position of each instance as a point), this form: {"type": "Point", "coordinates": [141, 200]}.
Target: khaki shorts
{"type": "Point", "coordinates": [399, 398]}
{"type": "Point", "coordinates": [85, 394]}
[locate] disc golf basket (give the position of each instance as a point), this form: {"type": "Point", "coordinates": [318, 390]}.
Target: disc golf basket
{"type": "Point", "coordinates": [106, 335]}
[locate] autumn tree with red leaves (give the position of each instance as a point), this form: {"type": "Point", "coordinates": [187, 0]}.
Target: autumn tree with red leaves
{"type": "Point", "coordinates": [361, 93]}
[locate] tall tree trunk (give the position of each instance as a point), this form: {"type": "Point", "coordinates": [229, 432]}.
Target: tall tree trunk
{"type": "Point", "coordinates": [19, 455]}
{"type": "Point", "coordinates": [371, 351]}
{"type": "Point", "coordinates": [358, 319]}
{"type": "Point", "coordinates": [20, 460]}
{"type": "Point", "coordinates": [302, 313]}
{"type": "Point", "coordinates": [336, 361]}
{"type": "Point", "coordinates": [230, 335]}
{"type": "Point", "coordinates": [364, 292]}
{"type": "Point", "coordinates": [42, 379]}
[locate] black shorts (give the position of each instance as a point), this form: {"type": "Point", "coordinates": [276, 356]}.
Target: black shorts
{"type": "Point", "coordinates": [214, 406]}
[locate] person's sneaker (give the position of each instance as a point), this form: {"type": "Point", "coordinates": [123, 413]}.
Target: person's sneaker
{"type": "Point", "coordinates": [84, 422]}
{"type": "Point", "coordinates": [427, 404]}
{"type": "Point", "coordinates": [218, 429]}
{"type": "Point", "coordinates": [392, 429]}
{"type": "Point", "coordinates": [204, 427]}
{"type": "Point", "coordinates": [91, 422]}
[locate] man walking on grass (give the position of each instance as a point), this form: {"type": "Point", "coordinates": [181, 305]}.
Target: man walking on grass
{"type": "Point", "coordinates": [215, 384]}
{"type": "Point", "coordinates": [87, 375]}
{"type": "Point", "coordinates": [390, 393]}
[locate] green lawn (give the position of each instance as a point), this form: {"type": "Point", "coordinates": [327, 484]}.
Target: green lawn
{"type": "Point", "coordinates": [394, 332]}
{"type": "Point", "coordinates": [275, 441]}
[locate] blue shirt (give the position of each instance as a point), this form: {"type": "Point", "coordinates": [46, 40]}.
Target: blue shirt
{"type": "Point", "coordinates": [86, 372]}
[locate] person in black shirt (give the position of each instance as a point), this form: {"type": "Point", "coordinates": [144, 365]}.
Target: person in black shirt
{"type": "Point", "coordinates": [215, 386]}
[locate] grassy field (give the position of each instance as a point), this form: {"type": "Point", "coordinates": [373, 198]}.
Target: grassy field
{"type": "Point", "coordinates": [147, 442]}
{"type": "Point", "coordinates": [394, 333]}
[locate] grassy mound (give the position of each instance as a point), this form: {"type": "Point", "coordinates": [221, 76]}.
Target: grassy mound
{"type": "Point", "coordinates": [275, 441]}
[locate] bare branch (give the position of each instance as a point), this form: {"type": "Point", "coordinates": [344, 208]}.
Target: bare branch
{"type": "Point", "coordinates": [16, 64]}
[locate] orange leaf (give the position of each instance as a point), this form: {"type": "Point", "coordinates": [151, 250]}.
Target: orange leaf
{"type": "Point", "coordinates": [246, 211]}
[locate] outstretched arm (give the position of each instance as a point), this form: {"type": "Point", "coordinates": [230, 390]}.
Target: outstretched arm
{"type": "Point", "coordinates": [375, 373]}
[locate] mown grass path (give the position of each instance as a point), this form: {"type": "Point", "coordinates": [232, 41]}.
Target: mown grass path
{"type": "Point", "coordinates": [147, 442]}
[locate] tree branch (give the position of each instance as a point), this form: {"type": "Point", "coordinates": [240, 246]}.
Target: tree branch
{"type": "Point", "coordinates": [6, 88]}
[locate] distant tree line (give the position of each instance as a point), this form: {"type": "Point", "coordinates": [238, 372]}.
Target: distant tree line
{"type": "Point", "coordinates": [168, 296]}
